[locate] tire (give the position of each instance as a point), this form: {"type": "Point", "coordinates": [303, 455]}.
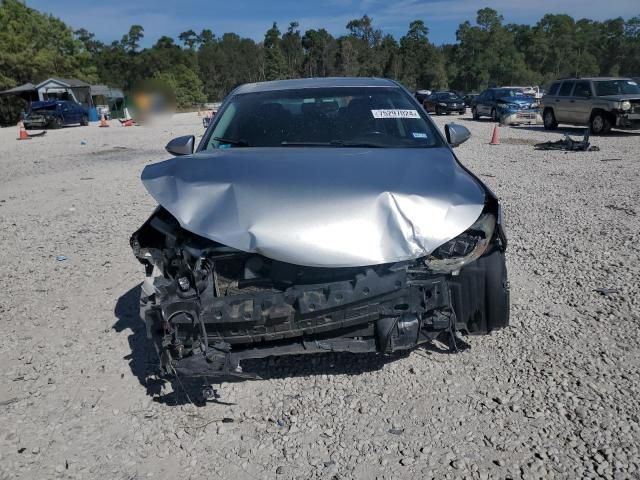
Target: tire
{"type": "Point", "coordinates": [549, 120]}
{"type": "Point", "coordinates": [474, 113]}
{"type": "Point", "coordinates": [84, 121]}
{"type": "Point", "coordinates": [497, 301]}
{"type": "Point", "coordinates": [438, 112]}
{"type": "Point", "coordinates": [55, 124]}
{"type": "Point", "coordinates": [494, 115]}
{"type": "Point", "coordinates": [480, 294]}
{"type": "Point", "coordinates": [600, 123]}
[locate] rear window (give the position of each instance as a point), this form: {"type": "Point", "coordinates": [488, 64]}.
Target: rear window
{"type": "Point", "coordinates": [566, 88]}
{"type": "Point", "coordinates": [554, 88]}
{"type": "Point", "coordinates": [383, 117]}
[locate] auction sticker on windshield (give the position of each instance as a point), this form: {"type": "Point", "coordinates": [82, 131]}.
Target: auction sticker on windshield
{"type": "Point", "coordinates": [386, 113]}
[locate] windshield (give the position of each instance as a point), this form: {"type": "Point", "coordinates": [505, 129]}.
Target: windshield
{"type": "Point", "coordinates": [318, 117]}
{"type": "Point", "coordinates": [509, 92]}
{"type": "Point", "coordinates": [448, 96]}
{"type": "Point", "coordinates": [616, 87]}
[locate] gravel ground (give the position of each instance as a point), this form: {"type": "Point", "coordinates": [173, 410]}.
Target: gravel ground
{"type": "Point", "coordinates": [553, 396]}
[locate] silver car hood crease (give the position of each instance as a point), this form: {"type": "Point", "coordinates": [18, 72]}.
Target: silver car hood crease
{"type": "Point", "coordinates": [321, 207]}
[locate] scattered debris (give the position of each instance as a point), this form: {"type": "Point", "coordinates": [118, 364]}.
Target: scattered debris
{"type": "Point", "coordinates": [610, 159]}
{"type": "Point", "coordinates": [83, 142]}
{"type": "Point", "coordinates": [4, 403]}
{"type": "Point", "coordinates": [61, 258]}
{"type": "Point", "coordinates": [396, 431]}
{"type": "Point", "coordinates": [628, 211]}
{"type": "Point", "coordinates": [606, 291]}
{"type": "Point", "coordinates": [569, 144]}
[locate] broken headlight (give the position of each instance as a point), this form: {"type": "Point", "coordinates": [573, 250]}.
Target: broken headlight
{"type": "Point", "coordinates": [463, 249]}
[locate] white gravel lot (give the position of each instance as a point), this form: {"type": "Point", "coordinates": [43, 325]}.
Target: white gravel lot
{"type": "Point", "coordinates": [556, 395]}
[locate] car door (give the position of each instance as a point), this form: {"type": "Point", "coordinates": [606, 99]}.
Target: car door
{"type": "Point", "coordinates": [580, 103]}
{"type": "Point", "coordinates": [487, 103]}
{"type": "Point", "coordinates": [67, 113]}
{"type": "Point", "coordinates": [562, 102]}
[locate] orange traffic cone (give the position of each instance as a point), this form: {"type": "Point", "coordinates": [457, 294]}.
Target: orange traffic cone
{"type": "Point", "coordinates": [103, 121]}
{"type": "Point", "coordinates": [23, 131]}
{"type": "Point", "coordinates": [495, 138]}
{"type": "Point", "coordinates": [199, 113]}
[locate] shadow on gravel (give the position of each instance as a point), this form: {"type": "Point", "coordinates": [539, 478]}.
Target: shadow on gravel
{"type": "Point", "coordinates": [143, 361]}
{"type": "Point", "coordinates": [576, 131]}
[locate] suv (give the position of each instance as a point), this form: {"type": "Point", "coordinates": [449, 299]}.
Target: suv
{"type": "Point", "coordinates": [600, 102]}
{"type": "Point", "coordinates": [55, 114]}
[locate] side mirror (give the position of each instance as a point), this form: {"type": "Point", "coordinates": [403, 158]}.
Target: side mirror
{"type": "Point", "coordinates": [181, 145]}
{"type": "Point", "coordinates": [456, 134]}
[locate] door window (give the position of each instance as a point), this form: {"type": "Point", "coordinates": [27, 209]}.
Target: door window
{"type": "Point", "coordinates": [565, 89]}
{"type": "Point", "coordinates": [582, 90]}
{"type": "Point", "coordinates": [554, 88]}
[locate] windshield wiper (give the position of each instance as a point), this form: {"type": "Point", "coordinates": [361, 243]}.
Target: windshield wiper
{"type": "Point", "coordinates": [342, 143]}
{"type": "Point", "coordinates": [306, 144]}
{"type": "Point", "coordinates": [231, 141]}
{"type": "Point", "coordinates": [332, 143]}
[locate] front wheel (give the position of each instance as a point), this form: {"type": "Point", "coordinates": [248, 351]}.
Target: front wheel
{"type": "Point", "coordinates": [494, 115]}
{"type": "Point", "coordinates": [480, 294]}
{"type": "Point", "coordinates": [474, 113]}
{"type": "Point", "coordinates": [85, 121]}
{"type": "Point", "coordinates": [600, 123]}
{"type": "Point", "coordinates": [55, 123]}
{"type": "Point", "coordinates": [549, 120]}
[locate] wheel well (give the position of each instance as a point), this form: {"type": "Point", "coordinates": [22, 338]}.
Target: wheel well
{"type": "Point", "coordinates": [604, 113]}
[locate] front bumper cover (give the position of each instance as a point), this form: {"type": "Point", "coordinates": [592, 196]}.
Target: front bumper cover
{"type": "Point", "coordinates": [519, 117]}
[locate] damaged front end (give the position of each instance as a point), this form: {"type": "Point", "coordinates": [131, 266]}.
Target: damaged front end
{"type": "Point", "coordinates": [518, 113]}
{"type": "Point", "coordinates": [208, 306]}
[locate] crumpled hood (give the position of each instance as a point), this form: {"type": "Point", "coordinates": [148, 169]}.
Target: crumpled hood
{"type": "Point", "coordinates": [323, 207]}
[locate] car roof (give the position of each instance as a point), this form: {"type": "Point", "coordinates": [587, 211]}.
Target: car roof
{"type": "Point", "coordinates": [592, 78]}
{"type": "Point", "coordinates": [301, 83]}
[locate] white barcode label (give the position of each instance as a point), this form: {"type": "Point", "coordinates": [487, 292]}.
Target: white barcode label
{"type": "Point", "coordinates": [395, 113]}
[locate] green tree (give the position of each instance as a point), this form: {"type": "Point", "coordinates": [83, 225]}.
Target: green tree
{"type": "Point", "coordinates": [189, 39]}
{"type": "Point", "coordinates": [422, 63]}
{"type": "Point", "coordinates": [33, 47]}
{"type": "Point", "coordinates": [185, 84]}
{"type": "Point", "coordinates": [291, 46]}
{"type": "Point", "coordinates": [131, 41]}
{"type": "Point", "coordinates": [320, 50]}
{"type": "Point", "coordinates": [274, 60]}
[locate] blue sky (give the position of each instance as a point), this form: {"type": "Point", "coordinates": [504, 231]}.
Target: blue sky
{"type": "Point", "coordinates": [110, 19]}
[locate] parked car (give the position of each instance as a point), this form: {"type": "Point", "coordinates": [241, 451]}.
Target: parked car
{"type": "Point", "coordinates": [317, 215]}
{"type": "Point", "coordinates": [468, 99]}
{"type": "Point", "coordinates": [509, 106]}
{"type": "Point", "coordinates": [55, 114]}
{"type": "Point", "coordinates": [601, 103]}
{"type": "Point", "coordinates": [422, 94]}
{"type": "Point", "coordinates": [444, 102]}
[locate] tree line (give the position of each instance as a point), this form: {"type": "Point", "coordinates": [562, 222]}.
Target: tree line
{"type": "Point", "coordinates": [204, 66]}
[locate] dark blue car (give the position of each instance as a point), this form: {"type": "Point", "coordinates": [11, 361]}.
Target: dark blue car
{"type": "Point", "coordinates": [502, 104]}
{"type": "Point", "coordinates": [55, 114]}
